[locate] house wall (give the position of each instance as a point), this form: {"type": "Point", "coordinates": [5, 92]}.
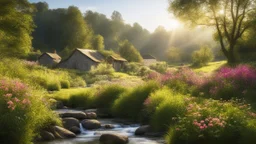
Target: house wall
{"type": "Point", "coordinates": [46, 60]}
{"type": "Point", "coordinates": [78, 61]}
{"type": "Point", "coordinates": [148, 62]}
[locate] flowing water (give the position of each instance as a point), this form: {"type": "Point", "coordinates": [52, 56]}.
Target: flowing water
{"type": "Point", "coordinates": [92, 136]}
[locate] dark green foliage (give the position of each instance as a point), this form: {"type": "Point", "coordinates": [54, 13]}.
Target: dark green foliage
{"type": "Point", "coordinates": [65, 84]}
{"type": "Point", "coordinates": [62, 30]}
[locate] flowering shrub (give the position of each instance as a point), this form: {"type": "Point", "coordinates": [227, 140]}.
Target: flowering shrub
{"type": "Point", "coordinates": [232, 82]}
{"type": "Point", "coordinates": [210, 121]}
{"type": "Point", "coordinates": [14, 94]}
{"type": "Point", "coordinates": [21, 114]}
{"type": "Point", "coordinates": [184, 80]}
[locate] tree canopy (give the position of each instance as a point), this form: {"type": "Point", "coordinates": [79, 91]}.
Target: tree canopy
{"type": "Point", "coordinates": [16, 26]}
{"type": "Point", "coordinates": [230, 18]}
{"type": "Point", "coordinates": [129, 52]}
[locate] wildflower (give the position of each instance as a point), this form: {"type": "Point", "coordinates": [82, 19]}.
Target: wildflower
{"type": "Point", "coordinates": [16, 99]}
{"type": "Point", "coordinates": [9, 95]}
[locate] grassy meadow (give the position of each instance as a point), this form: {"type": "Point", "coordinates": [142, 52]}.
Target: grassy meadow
{"type": "Point", "coordinates": [215, 103]}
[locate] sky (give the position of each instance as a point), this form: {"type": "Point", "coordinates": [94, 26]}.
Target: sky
{"type": "Point", "coordinates": [148, 13]}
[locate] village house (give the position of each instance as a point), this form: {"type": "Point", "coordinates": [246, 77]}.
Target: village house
{"type": "Point", "coordinates": [49, 59]}
{"type": "Point", "coordinates": [117, 62]}
{"type": "Point", "coordinates": [149, 60]}
{"type": "Point", "coordinates": [82, 59]}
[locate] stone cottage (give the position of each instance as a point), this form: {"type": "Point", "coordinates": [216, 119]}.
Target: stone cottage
{"type": "Point", "coordinates": [82, 59]}
{"type": "Point", "coordinates": [49, 59]}
{"type": "Point", "coordinates": [117, 62]}
{"type": "Point", "coordinates": [148, 60]}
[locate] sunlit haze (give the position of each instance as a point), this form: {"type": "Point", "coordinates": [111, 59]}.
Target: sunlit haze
{"type": "Point", "coordinates": [148, 13]}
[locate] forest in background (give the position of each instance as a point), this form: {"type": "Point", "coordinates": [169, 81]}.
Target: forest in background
{"type": "Point", "coordinates": [37, 28]}
{"type": "Point", "coordinates": [66, 29]}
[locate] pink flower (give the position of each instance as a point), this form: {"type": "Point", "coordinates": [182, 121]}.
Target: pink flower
{"type": "Point", "coordinates": [202, 127]}
{"type": "Point", "coordinates": [210, 125]}
{"type": "Point", "coordinates": [16, 99]}
{"type": "Point", "coordinates": [9, 95]}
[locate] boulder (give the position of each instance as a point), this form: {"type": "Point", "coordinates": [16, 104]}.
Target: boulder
{"type": "Point", "coordinates": [64, 133]}
{"type": "Point", "coordinates": [108, 126]}
{"type": "Point", "coordinates": [91, 124]}
{"type": "Point", "coordinates": [47, 136]}
{"type": "Point", "coordinates": [78, 115]}
{"type": "Point", "coordinates": [70, 122]}
{"type": "Point", "coordinates": [113, 139]}
{"type": "Point", "coordinates": [142, 130]}
{"type": "Point", "coordinates": [75, 130]}
{"type": "Point", "coordinates": [91, 115]}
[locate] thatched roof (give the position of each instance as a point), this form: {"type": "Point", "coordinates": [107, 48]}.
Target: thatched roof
{"type": "Point", "coordinates": [54, 56]}
{"type": "Point", "coordinates": [118, 58]}
{"type": "Point", "coordinates": [148, 56]}
{"type": "Point", "coordinates": [92, 54]}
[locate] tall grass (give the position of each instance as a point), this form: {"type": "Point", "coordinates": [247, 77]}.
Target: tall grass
{"type": "Point", "coordinates": [106, 96]}
{"type": "Point", "coordinates": [171, 107]}
{"type": "Point", "coordinates": [130, 104]}
{"type": "Point", "coordinates": [33, 74]}
{"type": "Point", "coordinates": [81, 99]}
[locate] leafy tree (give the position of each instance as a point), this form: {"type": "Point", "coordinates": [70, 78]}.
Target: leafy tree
{"type": "Point", "coordinates": [16, 26]}
{"type": "Point", "coordinates": [60, 29]}
{"type": "Point", "coordinates": [98, 43]}
{"type": "Point", "coordinates": [129, 52]}
{"type": "Point", "coordinates": [231, 18]}
{"type": "Point", "coordinates": [202, 57]}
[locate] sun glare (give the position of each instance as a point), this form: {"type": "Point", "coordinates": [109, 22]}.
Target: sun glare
{"type": "Point", "coordinates": [174, 24]}
{"type": "Point", "coordinates": [221, 12]}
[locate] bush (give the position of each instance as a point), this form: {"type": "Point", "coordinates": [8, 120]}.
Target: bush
{"type": "Point", "coordinates": [132, 68]}
{"type": "Point", "coordinates": [102, 69]}
{"type": "Point", "coordinates": [160, 67]}
{"type": "Point", "coordinates": [229, 82]}
{"type": "Point", "coordinates": [22, 113]}
{"type": "Point", "coordinates": [156, 98]}
{"type": "Point", "coordinates": [53, 85]}
{"type": "Point", "coordinates": [65, 84]}
{"type": "Point", "coordinates": [211, 121]}
{"type": "Point", "coordinates": [107, 95]}
{"type": "Point", "coordinates": [173, 106]}
{"type": "Point", "coordinates": [202, 57]}
{"type": "Point", "coordinates": [82, 99]}
{"type": "Point", "coordinates": [130, 104]}
{"type": "Point", "coordinates": [129, 52]}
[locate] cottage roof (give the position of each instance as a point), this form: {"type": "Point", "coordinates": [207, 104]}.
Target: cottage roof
{"type": "Point", "coordinates": [148, 56]}
{"type": "Point", "coordinates": [118, 58]}
{"type": "Point", "coordinates": [92, 54]}
{"type": "Point", "coordinates": [54, 56]}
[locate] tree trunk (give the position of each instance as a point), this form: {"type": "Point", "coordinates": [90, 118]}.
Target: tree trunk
{"type": "Point", "coordinates": [232, 59]}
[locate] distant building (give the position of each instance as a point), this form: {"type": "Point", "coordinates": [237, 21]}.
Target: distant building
{"type": "Point", "coordinates": [148, 60]}
{"type": "Point", "coordinates": [49, 59]}
{"type": "Point", "coordinates": [82, 59]}
{"type": "Point", "coordinates": [117, 62]}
